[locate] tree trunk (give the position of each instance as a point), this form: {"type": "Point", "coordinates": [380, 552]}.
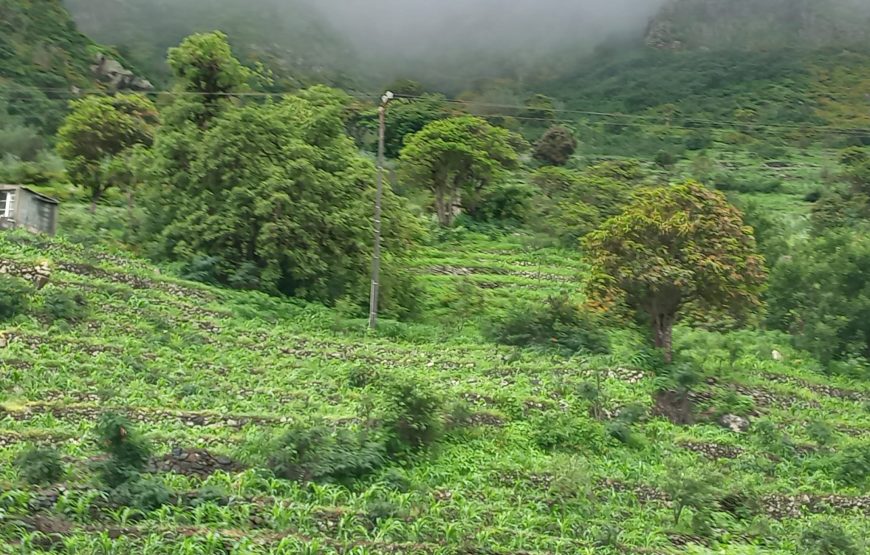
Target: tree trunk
{"type": "Point", "coordinates": [663, 329]}
{"type": "Point", "coordinates": [442, 210]}
{"type": "Point", "coordinates": [96, 193]}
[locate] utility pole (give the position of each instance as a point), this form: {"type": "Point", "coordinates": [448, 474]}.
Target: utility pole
{"type": "Point", "coordinates": [379, 194]}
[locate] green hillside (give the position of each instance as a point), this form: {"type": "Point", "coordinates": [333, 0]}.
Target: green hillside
{"type": "Point", "coordinates": [299, 48]}
{"type": "Point", "coordinates": [760, 24]}
{"type": "Point", "coordinates": [529, 464]}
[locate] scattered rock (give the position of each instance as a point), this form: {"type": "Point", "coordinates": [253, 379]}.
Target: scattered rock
{"type": "Point", "coordinates": [736, 424]}
{"type": "Point", "coordinates": [713, 450]}
{"type": "Point", "coordinates": [194, 462]}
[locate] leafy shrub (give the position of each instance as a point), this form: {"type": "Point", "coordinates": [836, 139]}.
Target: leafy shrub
{"type": "Point", "coordinates": [14, 296]}
{"type": "Point", "coordinates": [322, 454]}
{"type": "Point", "coordinates": [560, 431]}
{"type": "Point", "coordinates": [665, 159]}
{"type": "Point", "coordinates": [397, 480]}
{"type": "Point", "coordinates": [412, 416]}
{"type": "Point", "coordinates": [59, 304]}
{"type": "Point", "coordinates": [39, 465]}
{"type": "Point", "coordinates": [508, 204]}
{"type": "Point", "coordinates": [852, 465]}
{"type": "Point", "coordinates": [771, 438]}
{"type": "Point", "coordinates": [732, 402]}
{"type": "Point", "coordinates": [380, 509]}
{"type": "Point", "coordinates": [828, 538]}
{"type": "Point", "coordinates": [128, 450]}
{"type": "Point", "coordinates": [143, 493]}
{"type": "Point", "coordinates": [690, 491]}
{"type": "Point", "coordinates": [820, 432]}
{"type": "Point", "coordinates": [698, 140]}
{"type": "Point", "coordinates": [559, 324]}
{"type": "Point", "coordinates": [556, 146]}
{"type": "Point", "coordinates": [738, 184]}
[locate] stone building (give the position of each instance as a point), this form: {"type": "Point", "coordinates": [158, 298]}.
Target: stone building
{"type": "Point", "coordinates": [24, 208]}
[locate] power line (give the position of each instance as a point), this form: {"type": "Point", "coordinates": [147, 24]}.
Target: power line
{"type": "Point", "coordinates": [685, 123]}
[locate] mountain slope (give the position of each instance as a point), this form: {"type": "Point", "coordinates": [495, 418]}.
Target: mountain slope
{"type": "Point", "coordinates": [209, 374]}
{"type": "Point", "coordinates": [761, 24]}
{"type": "Point", "coordinates": [299, 48]}
{"type": "Point", "coordinates": [43, 57]}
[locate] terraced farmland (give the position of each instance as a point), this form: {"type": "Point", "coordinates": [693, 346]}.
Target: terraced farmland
{"type": "Point", "coordinates": [533, 465]}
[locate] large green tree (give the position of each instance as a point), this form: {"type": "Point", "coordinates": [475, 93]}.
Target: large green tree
{"type": "Point", "coordinates": [98, 131]}
{"type": "Point", "coordinates": [820, 294]}
{"type": "Point", "coordinates": [275, 196]}
{"type": "Point", "coordinates": [456, 159]}
{"type": "Point", "coordinates": [207, 75]}
{"type": "Point", "coordinates": [674, 245]}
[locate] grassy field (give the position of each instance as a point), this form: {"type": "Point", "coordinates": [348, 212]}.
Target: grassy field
{"type": "Point", "coordinates": [210, 375]}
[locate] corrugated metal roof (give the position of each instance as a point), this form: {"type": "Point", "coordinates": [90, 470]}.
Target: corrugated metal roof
{"type": "Point", "coordinates": [32, 192]}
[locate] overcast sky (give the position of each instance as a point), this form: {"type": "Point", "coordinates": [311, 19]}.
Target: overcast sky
{"type": "Point", "coordinates": [418, 25]}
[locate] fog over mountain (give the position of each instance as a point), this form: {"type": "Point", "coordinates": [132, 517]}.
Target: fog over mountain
{"type": "Point", "coordinates": [423, 27]}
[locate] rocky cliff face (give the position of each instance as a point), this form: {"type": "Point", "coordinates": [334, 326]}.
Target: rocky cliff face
{"type": "Point", "coordinates": [761, 24]}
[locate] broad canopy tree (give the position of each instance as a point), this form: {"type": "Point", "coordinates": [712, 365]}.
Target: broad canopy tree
{"type": "Point", "coordinates": [275, 194]}
{"type": "Point", "coordinates": [456, 159]}
{"type": "Point", "coordinates": [99, 132]}
{"type": "Point", "coordinates": [674, 245]}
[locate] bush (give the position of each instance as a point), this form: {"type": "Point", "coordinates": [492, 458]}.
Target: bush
{"type": "Point", "coordinates": [507, 204]}
{"type": "Point", "coordinates": [412, 416]}
{"type": "Point", "coordinates": [556, 146]}
{"type": "Point", "coordinates": [665, 159]}
{"type": "Point", "coordinates": [145, 494]}
{"type": "Point", "coordinates": [852, 465]}
{"type": "Point", "coordinates": [128, 450]}
{"type": "Point", "coordinates": [690, 491]}
{"type": "Point", "coordinates": [560, 324]}
{"type": "Point", "coordinates": [14, 296]}
{"type": "Point", "coordinates": [39, 465]}
{"type": "Point", "coordinates": [820, 432]}
{"type": "Point", "coordinates": [827, 538]}
{"type": "Point", "coordinates": [59, 304]}
{"type": "Point", "coordinates": [319, 453]}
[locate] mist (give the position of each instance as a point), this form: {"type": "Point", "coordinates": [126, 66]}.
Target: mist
{"type": "Point", "coordinates": [421, 27]}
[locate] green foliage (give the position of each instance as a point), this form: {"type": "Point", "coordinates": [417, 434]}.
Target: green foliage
{"type": "Point", "coordinates": [127, 449]}
{"type": "Point", "coordinates": [828, 538]}
{"type": "Point", "coordinates": [576, 203]}
{"type": "Point", "coordinates": [821, 432]}
{"type": "Point", "coordinates": [203, 64]}
{"type": "Point", "coordinates": [852, 465]}
{"type": "Point", "coordinates": [39, 465]}
{"type": "Point", "coordinates": [556, 146]}
{"type": "Point", "coordinates": [830, 321]}
{"type": "Point", "coordinates": [273, 196]}
{"type": "Point", "coordinates": [665, 159]}
{"type": "Point", "coordinates": [15, 296]}
{"type": "Point", "coordinates": [412, 416]}
{"type": "Point", "coordinates": [319, 453]}
{"type": "Point", "coordinates": [508, 204]}
{"type": "Point", "coordinates": [559, 324]}
{"type": "Point", "coordinates": [100, 130]}
{"type": "Point", "coordinates": [142, 493]}
{"type": "Point", "coordinates": [405, 116]}
{"type": "Point", "coordinates": [690, 491]}
{"type": "Point", "coordinates": [61, 304]}
{"type": "Point", "coordinates": [456, 159]}
{"type": "Point", "coordinates": [673, 245]}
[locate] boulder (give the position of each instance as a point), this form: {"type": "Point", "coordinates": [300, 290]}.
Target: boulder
{"type": "Point", "coordinates": [736, 424]}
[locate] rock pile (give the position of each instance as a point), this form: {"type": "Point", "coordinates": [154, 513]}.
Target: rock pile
{"type": "Point", "coordinates": [194, 462]}
{"type": "Point", "coordinates": [38, 275]}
